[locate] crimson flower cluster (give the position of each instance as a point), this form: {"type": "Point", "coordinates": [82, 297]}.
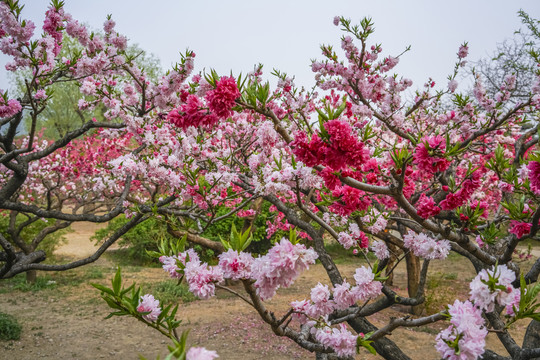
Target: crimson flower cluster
{"type": "Point", "coordinates": [342, 149]}
{"type": "Point", "coordinates": [220, 101]}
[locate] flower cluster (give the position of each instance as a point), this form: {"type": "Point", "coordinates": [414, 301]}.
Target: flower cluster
{"type": "Point", "coordinates": [149, 307]}
{"type": "Point", "coordinates": [222, 99]}
{"type": "Point", "coordinates": [341, 149]}
{"type": "Point", "coordinates": [426, 247]}
{"type": "Point", "coordinates": [429, 155]}
{"type": "Point", "coordinates": [426, 207]}
{"type": "Point", "coordinates": [453, 200]}
{"type": "Point", "coordinates": [200, 277]}
{"type": "Point", "coordinates": [280, 267]}
{"type": "Point", "coordinates": [534, 176]}
{"type": "Point", "coordinates": [324, 301]}
{"type": "Point", "coordinates": [380, 250]}
{"type": "Point", "coordinates": [235, 265]}
{"type": "Point", "coordinates": [9, 108]}
{"type": "Point", "coordinates": [341, 340]}
{"type": "Point", "coordinates": [465, 338]}
{"type": "Point", "coordinates": [494, 286]}
{"type": "Point", "coordinates": [200, 353]}
{"type": "Point", "coordinates": [219, 100]}
{"type": "Point", "coordinates": [191, 113]}
{"type": "Point", "coordinates": [355, 237]}
{"type": "Point", "coordinates": [349, 199]}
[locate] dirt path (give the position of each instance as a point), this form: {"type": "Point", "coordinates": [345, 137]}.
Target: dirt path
{"type": "Point", "coordinates": [78, 242]}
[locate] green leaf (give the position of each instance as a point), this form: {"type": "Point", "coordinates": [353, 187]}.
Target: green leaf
{"type": "Point", "coordinates": [102, 288]}
{"type": "Point", "coordinates": [117, 282]}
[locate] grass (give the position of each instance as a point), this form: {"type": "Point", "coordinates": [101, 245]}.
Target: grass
{"type": "Point", "coordinates": [340, 255]}
{"type": "Point", "coordinates": [10, 329]}
{"type": "Point", "coordinates": [121, 257]}
{"type": "Point", "coordinates": [18, 282]}
{"type": "Point", "coordinates": [49, 281]}
{"type": "Point", "coordinates": [441, 290]}
{"type": "Point", "coordinates": [169, 292]}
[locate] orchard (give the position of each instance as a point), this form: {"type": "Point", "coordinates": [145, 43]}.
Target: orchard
{"type": "Point", "coordinates": [391, 174]}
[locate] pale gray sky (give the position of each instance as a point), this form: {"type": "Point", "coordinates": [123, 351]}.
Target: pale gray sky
{"type": "Point", "coordinates": [285, 34]}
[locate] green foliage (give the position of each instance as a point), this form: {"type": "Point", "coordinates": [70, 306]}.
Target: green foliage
{"type": "Point", "coordinates": [238, 241]}
{"type": "Point", "coordinates": [222, 229]}
{"type": "Point", "coordinates": [49, 244]}
{"type": "Point", "coordinates": [140, 240]}
{"type": "Point", "coordinates": [10, 329]}
{"type": "Point", "coordinates": [364, 342]}
{"type": "Point", "coordinates": [169, 292]}
{"type": "Point", "coordinates": [124, 302]}
{"type": "Point", "coordinates": [528, 302]}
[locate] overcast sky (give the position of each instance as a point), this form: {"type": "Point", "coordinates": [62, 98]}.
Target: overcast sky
{"type": "Point", "coordinates": [286, 34]}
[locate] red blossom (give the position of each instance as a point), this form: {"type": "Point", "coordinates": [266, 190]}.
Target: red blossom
{"type": "Point", "coordinates": [426, 207]}
{"type": "Point", "coordinates": [222, 99]}
{"type": "Point", "coordinates": [428, 155]}
{"type": "Point", "coordinates": [342, 149]}
{"type": "Point", "coordinates": [460, 197]}
{"type": "Point", "coordinates": [351, 199]}
{"type": "Point", "coordinates": [519, 228]}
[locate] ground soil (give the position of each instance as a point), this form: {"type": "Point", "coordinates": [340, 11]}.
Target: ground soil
{"type": "Point", "coordinates": [66, 321]}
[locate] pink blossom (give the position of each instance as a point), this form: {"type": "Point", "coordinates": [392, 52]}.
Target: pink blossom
{"type": "Point", "coordinates": [503, 293]}
{"type": "Point", "coordinates": [336, 20]}
{"type": "Point", "coordinates": [301, 308]}
{"type": "Point", "coordinates": [534, 176]}
{"type": "Point", "coordinates": [341, 150]}
{"type": "Point", "coordinates": [147, 303]}
{"type": "Point", "coordinates": [53, 25]}
{"type": "Point", "coordinates": [380, 250]}
{"type": "Point", "coordinates": [191, 113]}
{"type": "Point", "coordinates": [341, 340]}
{"type": "Point", "coordinates": [366, 287]}
{"type": "Point", "coordinates": [468, 325]}
{"type": "Point", "coordinates": [280, 267]}
{"type": "Point", "coordinates": [346, 240]}
{"type": "Point", "coordinates": [322, 305]}
{"type": "Point", "coordinates": [40, 94]}
{"type": "Point", "coordinates": [11, 108]}
{"type": "Point", "coordinates": [350, 199]}
{"type": "Point", "coordinates": [201, 278]}
{"type": "Point", "coordinates": [426, 247]}
{"type": "Point", "coordinates": [200, 353]}
{"type": "Point", "coordinates": [463, 51]}
{"type": "Point", "coordinates": [235, 265]}
{"type": "Point", "coordinates": [452, 85]}
{"type": "Point", "coordinates": [170, 262]}
{"type": "Point", "coordinates": [108, 26]}
{"type": "Point", "coordinates": [506, 187]}
{"type": "Point", "coordinates": [12, 27]}
{"type": "Point", "coordinates": [459, 198]}
{"type": "Point", "coordinates": [345, 296]}
{"type": "Point", "coordinates": [514, 302]}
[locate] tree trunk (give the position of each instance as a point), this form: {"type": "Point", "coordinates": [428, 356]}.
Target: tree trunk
{"type": "Point", "coordinates": [31, 276]}
{"type": "Point", "coordinates": [385, 347]}
{"type": "Point", "coordinates": [391, 261]}
{"type": "Point", "coordinates": [413, 280]}
{"type": "Point", "coordinates": [532, 337]}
